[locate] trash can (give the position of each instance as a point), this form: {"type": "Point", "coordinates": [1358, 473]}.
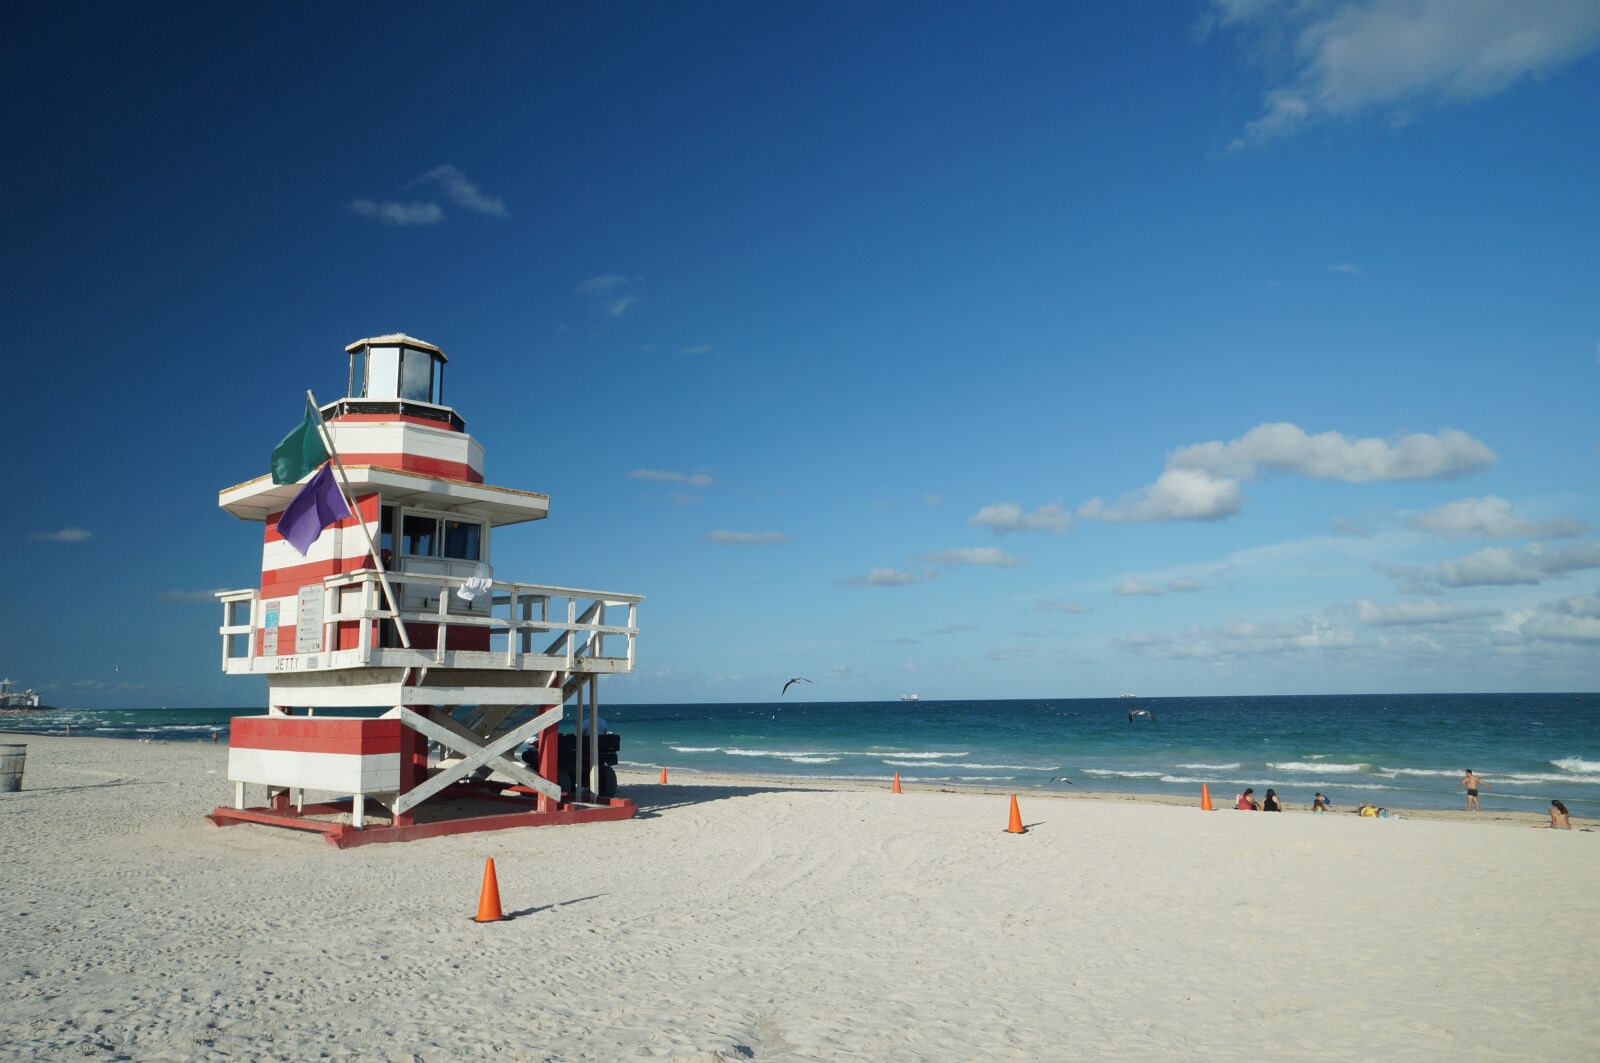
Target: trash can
{"type": "Point", "coordinates": [11, 758]}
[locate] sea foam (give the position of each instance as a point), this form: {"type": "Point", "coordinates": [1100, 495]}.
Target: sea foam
{"type": "Point", "coordinates": [1587, 767]}
{"type": "Point", "coordinates": [1321, 767]}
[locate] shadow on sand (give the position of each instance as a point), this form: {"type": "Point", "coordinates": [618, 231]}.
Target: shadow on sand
{"type": "Point", "coordinates": [654, 798]}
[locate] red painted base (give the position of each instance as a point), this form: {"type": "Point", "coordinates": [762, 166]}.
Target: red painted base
{"type": "Point", "coordinates": [344, 836]}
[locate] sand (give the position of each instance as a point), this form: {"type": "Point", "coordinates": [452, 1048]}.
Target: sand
{"type": "Point", "coordinates": [747, 919]}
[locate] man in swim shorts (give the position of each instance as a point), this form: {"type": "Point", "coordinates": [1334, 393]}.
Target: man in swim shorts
{"type": "Point", "coordinates": [1472, 783]}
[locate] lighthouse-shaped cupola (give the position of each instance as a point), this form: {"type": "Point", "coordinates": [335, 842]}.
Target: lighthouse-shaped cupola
{"type": "Point", "coordinates": [397, 374]}
{"type": "Point", "coordinates": [378, 588]}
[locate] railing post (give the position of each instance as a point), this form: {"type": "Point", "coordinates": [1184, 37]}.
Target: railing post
{"type": "Point", "coordinates": [572, 633]}
{"type": "Point", "coordinates": [513, 632]}
{"type": "Point", "coordinates": [633, 628]}
{"type": "Point", "coordinates": [439, 635]}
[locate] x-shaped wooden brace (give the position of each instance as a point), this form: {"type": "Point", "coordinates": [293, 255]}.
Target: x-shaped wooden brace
{"type": "Point", "coordinates": [447, 731]}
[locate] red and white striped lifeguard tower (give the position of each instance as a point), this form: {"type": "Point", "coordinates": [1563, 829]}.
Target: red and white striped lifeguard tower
{"type": "Point", "coordinates": [398, 610]}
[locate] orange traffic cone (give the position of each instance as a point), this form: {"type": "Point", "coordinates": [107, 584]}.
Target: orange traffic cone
{"type": "Point", "coordinates": [896, 788]}
{"type": "Point", "coordinates": [663, 776]}
{"type": "Point", "coordinates": [1015, 826]}
{"type": "Point", "coordinates": [1205, 798]}
{"type": "Point", "coordinates": [489, 897]}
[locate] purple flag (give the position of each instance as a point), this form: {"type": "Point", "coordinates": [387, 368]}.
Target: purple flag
{"type": "Point", "coordinates": [318, 505]}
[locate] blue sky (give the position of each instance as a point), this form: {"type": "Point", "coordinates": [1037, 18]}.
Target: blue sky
{"type": "Point", "coordinates": [1025, 351]}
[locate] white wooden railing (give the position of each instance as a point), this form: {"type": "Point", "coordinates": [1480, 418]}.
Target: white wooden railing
{"type": "Point", "coordinates": [520, 612]}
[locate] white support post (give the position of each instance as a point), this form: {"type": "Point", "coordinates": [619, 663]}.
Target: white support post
{"type": "Point", "coordinates": [358, 811]}
{"type": "Point", "coordinates": [594, 736]}
{"type": "Point", "coordinates": [572, 634]}
{"type": "Point", "coordinates": [633, 626]}
{"type": "Point", "coordinates": [438, 635]}
{"type": "Point", "coordinates": [238, 795]}
{"type": "Point", "coordinates": [577, 745]}
{"type": "Point", "coordinates": [513, 632]}
{"type": "Point", "coordinates": [366, 604]}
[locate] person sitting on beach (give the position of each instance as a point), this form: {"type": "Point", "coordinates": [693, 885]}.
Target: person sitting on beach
{"type": "Point", "coordinates": [1560, 818]}
{"type": "Point", "coordinates": [1473, 784]}
{"type": "Point", "coordinates": [1270, 803]}
{"type": "Point", "coordinates": [1369, 810]}
{"type": "Point", "coordinates": [1320, 803]}
{"type": "Point", "coordinates": [1246, 801]}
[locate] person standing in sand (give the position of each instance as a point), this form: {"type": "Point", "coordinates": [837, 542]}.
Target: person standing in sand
{"type": "Point", "coordinates": [1473, 784]}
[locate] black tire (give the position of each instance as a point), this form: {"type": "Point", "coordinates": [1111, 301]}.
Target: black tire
{"type": "Point", "coordinates": [608, 782]}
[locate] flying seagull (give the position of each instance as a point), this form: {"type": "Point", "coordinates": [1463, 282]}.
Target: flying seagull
{"type": "Point", "coordinates": [1142, 712]}
{"type": "Point", "coordinates": [1063, 778]}
{"type": "Point", "coordinates": [792, 682]}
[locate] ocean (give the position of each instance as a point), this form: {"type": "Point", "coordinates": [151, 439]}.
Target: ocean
{"type": "Point", "coordinates": [1398, 750]}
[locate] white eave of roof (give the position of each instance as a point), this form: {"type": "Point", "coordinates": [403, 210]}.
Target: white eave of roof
{"type": "Point", "coordinates": [258, 499]}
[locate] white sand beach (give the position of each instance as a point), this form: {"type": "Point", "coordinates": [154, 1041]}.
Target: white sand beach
{"type": "Point", "coordinates": [746, 919]}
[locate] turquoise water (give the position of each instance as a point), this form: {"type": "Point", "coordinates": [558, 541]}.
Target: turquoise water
{"type": "Point", "coordinates": [1404, 751]}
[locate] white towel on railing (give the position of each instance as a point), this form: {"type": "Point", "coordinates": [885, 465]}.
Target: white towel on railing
{"type": "Point", "coordinates": [474, 587]}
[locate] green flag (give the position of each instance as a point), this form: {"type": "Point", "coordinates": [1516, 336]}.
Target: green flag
{"type": "Point", "coordinates": [299, 452]}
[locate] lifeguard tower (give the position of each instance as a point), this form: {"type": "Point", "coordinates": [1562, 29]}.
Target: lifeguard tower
{"type": "Point", "coordinates": [395, 608]}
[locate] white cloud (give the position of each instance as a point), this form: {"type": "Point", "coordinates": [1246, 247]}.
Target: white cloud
{"type": "Point", "coordinates": [1129, 588]}
{"type": "Point", "coordinates": [619, 306]}
{"type": "Point", "coordinates": [666, 476]}
{"type": "Point", "coordinates": [985, 556]}
{"type": "Point", "coordinates": [1201, 482]}
{"type": "Point", "coordinates": [698, 348]}
{"type": "Point", "coordinates": [403, 214]}
{"type": "Point", "coordinates": [737, 538]}
{"type": "Point", "coordinates": [63, 535]}
{"type": "Point", "coordinates": [932, 501]}
{"type": "Point", "coordinates": [1404, 56]}
{"type": "Point", "coordinates": [1412, 612]}
{"type": "Point", "coordinates": [462, 191]}
{"type": "Point", "coordinates": [1048, 606]}
{"type": "Point", "coordinates": [1489, 518]}
{"type": "Point", "coordinates": [605, 282]}
{"type": "Point", "coordinates": [884, 576]}
{"type": "Point", "coordinates": [1005, 517]}
{"type": "Point", "coordinates": [1496, 566]}
{"type": "Point", "coordinates": [1574, 619]}
{"type": "Point", "coordinates": [1185, 585]}
{"type": "Point", "coordinates": [1283, 447]}
{"type": "Point", "coordinates": [1238, 638]}
{"type": "Point", "coordinates": [1177, 494]}
{"type": "Point", "coordinates": [1349, 268]}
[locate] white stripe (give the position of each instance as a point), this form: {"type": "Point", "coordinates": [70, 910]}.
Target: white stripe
{"type": "Point", "coordinates": [342, 773]}
{"type": "Point", "coordinates": [398, 438]}
{"type": "Point", "coordinates": [333, 544]}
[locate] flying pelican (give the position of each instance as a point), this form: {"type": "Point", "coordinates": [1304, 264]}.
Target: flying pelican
{"type": "Point", "coordinates": [792, 682]}
{"type": "Point", "coordinates": [1142, 712]}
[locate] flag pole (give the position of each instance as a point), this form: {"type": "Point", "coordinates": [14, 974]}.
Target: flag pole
{"type": "Point", "coordinates": [372, 547]}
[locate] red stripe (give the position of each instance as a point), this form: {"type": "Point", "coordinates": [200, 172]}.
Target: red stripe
{"type": "Point", "coordinates": [454, 470]}
{"type": "Point", "coordinates": [366, 505]}
{"type": "Point", "coordinates": [390, 418]}
{"type": "Point", "coordinates": [309, 735]}
{"type": "Point", "coordinates": [283, 582]}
